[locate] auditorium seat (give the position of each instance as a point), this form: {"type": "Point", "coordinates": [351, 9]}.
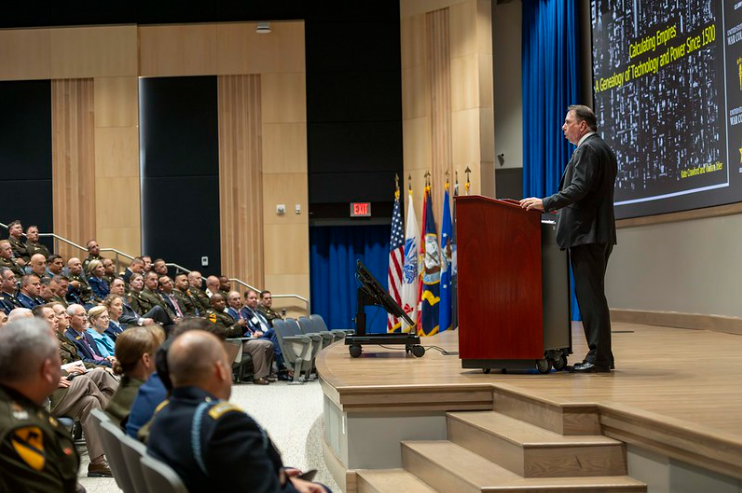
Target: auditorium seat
{"type": "Point", "coordinates": [160, 477]}
{"type": "Point", "coordinates": [133, 452]}
{"type": "Point", "coordinates": [308, 327]}
{"type": "Point", "coordinates": [110, 435]}
{"type": "Point", "coordinates": [297, 349]}
{"type": "Point", "coordinates": [323, 326]}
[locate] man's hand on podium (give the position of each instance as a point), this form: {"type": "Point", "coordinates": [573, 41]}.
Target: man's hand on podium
{"type": "Point", "coordinates": [532, 203]}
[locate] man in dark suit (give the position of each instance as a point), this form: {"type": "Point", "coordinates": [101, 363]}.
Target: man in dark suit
{"type": "Point", "coordinates": [586, 226]}
{"type": "Point", "coordinates": [83, 341]}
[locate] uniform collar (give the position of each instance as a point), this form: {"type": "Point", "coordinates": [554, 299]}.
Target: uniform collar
{"type": "Point", "coordinates": [191, 393]}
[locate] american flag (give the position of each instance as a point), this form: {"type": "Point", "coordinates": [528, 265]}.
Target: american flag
{"type": "Point", "coordinates": [396, 263]}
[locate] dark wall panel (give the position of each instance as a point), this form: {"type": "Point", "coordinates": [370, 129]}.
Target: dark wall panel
{"type": "Point", "coordinates": [180, 170]}
{"type": "Point", "coordinates": [26, 154]}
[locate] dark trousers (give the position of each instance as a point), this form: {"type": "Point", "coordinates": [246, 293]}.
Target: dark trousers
{"type": "Point", "coordinates": [589, 263]}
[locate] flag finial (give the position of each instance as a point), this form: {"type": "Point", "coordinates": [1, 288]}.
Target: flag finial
{"type": "Point", "coordinates": [467, 185]}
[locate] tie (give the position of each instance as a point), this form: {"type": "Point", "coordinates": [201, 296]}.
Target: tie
{"type": "Point", "coordinates": [175, 304]}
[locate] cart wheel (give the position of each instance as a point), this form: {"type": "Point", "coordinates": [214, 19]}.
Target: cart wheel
{"type": "Point", "coordinates": [543, 365]}
{"type": "Point", "coordinates": [418, 351]}
{"type": "Point", "coordinates": [560, 362]}
{"type": "Point", "coordinates": [355, 350]}
{"type": "Point", "coordinates": [486, 371]}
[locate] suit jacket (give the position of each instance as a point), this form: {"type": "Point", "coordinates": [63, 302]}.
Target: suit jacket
{"type": "Point", "coordinates": [99, 287]}
{"type": "Point", "coordinates": [86, 347]}
{"type": "Point", "coordinates": [585, 197]}
{"type": "Point", "coordinates": [252, 325]}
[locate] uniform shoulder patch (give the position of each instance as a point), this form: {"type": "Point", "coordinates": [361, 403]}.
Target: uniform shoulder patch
{"type": "Point", "coordinates": [28, 443]}
{"type": "Point", "coordinates": [221, 409]}
{"type": "Point", "coordinates": [161, 405]}
{"type": "Point", "coordinates": [212, 317]}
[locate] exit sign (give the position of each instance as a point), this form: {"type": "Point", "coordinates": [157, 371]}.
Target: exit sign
{"type": "Point", "coordinates": [360, 209]}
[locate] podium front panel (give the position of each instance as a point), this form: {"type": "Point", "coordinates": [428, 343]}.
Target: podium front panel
{"type": "Point", "coordinates": [499, 280]}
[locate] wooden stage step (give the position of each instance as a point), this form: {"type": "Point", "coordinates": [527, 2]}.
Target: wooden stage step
{"type": "Point", "coordinates": [450, 468]}
{"type": "Point", "coordinates": [390, 481]}
{"type": "Point", "coordinates": [534, 452]}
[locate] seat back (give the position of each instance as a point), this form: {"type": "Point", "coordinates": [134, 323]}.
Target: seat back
{"type": "Point", "coordinates": [110, 435]}
{"type": "Point", "coordinates": [319, 321]}
{"type": "Point", "coordinates": [293, 327]}
{"type": "Point", "coordinates": [160, 477]}
{"type": "Point", "coordinates": [307, 326]}
{"type": "Point", "coordinates": [133, 452]}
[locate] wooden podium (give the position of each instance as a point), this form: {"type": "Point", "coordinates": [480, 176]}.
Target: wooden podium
{"type": "Point", "coordinates": [502, 303]}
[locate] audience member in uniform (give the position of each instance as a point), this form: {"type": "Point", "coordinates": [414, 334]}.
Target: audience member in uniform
{"type": "Point", "coordinates": [231, 452]}
{"type": "Point", "coordinates": [54, 265]}
{"type": "Point", "coordinates": [93, 254]}
{"type": "Point", "coordinates": [196, 282]}
{"type": "Point", "coordinates": [79, 397]}
{"type": "Point", "coordinates": [115, 306]}
{"type": "Point", "coordinates": [32, 242]}
{"type": "Point", "coordinates": [135, 362]}
{"type": "Point", "coordinates": [8, 283]}
{"type": "Point", "coordinates": [264, 307]}
{"type": "Point", "coordinates": [130, 316]}
{"type": "Point", "coordinates": [49, 289]}
{"type": "Point", "coordinates": [15, 238]}
{"type": "Point", "coordinates": [79, 284]}
{"type": "Point", "coordinates": [147, 264]}
{"type": "Point", "coordinates": [224, 286]}
{"type": "Point", "coordinates": [29, 373]}
{"type": "Point", "coordinates": [109, 271]}
{"type": "Point", "coordinates": [37, 264]}
{"type": "Point", "coordinates": [98, 284]}
{"type": "Point", "coordinates": [8, 260]}
{"type": "Point", "coordinates": [30, 291]}
{"type": "Point", "coordinates": [160, 267]}
{"type": "Point", "coordinates": [99, 321]}
{"type": "Point", "coordinates": [212, 286]}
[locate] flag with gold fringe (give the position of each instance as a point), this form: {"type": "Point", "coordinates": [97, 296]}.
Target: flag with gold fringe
{"type": "Point", "coordinates": [421, 263]}
{"type": "Point", "coordinates": [431, 274]}
{"type": "Point", "coordinates": [410, 281]}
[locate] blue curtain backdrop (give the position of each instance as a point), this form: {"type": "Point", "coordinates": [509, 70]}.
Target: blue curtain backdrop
{"type": "Point", "coordinates": [334, 251]}
{"type": "Point", "coordinates": [551, 82]}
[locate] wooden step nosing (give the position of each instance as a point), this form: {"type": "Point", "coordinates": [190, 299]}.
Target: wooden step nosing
{"type": "Point", "coordinates": [609, 442]}
{"type": "Point", "coordinates": [454, 474]}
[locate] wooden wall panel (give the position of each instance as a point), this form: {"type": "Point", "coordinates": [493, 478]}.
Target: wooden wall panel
{"type": "Point", "coordinates": [177, 50]}
{"type": "Point", "coordinates": [118, 205]}
{"type": "Point", "coordinates": [281, 240]}
{"type": "Point", "coordinates": [289, 189]}
{"type": "Point", "coordinates": [284, 98]}
{"type": "Point", "coordinates": [24, 54]}
{"type": "Point", "coordinates": [240, 177]}
{"type": "Point", "coordinates": [73, 161]}
{"type": "Point", "coordinates": [285, 148]}
{"type": "Point", "coordinates": [93, 52]}
{"type": "Point", "coordinates": [280, 51]}
{"type": "Point", "coordinates": [439, 82]}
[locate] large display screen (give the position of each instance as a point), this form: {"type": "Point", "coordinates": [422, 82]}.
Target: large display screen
{"type": "Point", "coordinates": [667, 85]}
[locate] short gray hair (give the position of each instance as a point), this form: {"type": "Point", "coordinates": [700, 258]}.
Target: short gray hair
{"type": "Point", "coordinates": [584, 113]}
{"type": "Point", "coordinates": [19, 314]}
{"type": "Point", "coordinates": [24, 344]}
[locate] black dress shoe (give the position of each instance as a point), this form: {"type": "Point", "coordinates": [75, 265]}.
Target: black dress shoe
{"type": "Point", "coordinates": [588, 367]}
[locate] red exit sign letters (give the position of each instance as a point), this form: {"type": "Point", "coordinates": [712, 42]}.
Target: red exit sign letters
{"type": "Point", "coordinates": [360, 209]}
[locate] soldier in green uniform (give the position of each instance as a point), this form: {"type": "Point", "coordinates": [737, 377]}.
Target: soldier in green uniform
{"type": "Point", "coordinates": [184, 296]}
{"type": "Point", "coordinates": [134, 297]}
{"type": "Point", "coordinates": [15, 231]}
{"type": "Point", "coordinates": [148, 297]}
{"type": "Point", "coordinates": [60, 296]}
{"type": "Point", "coordinates": [224, 286]}
{"type": "Point", "coordinates": [266, 301]}
{"type": "Point", "coordinates": [93, 254]}
{"type": "Point", "coordinates": [216, 315]}
{"type": "Point", "coordinates": [202, 301]}
{"type": "Point", "coordinates": [7, 259]}
{"type": "Point", "coordinates": [32, 243]}
{"type": "Point", "coordinates": [36, 453]}
{"type": "Point", "coordinates": [109, 270]}
{"type": "Point", "coordinates": [79, 282]}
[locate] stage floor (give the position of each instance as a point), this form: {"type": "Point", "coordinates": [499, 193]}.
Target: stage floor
{"type": "Point", "coordinates": [688, 383]}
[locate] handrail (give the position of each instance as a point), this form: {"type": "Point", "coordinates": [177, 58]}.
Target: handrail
{"type": "Point", "coordinates": [169, 264]}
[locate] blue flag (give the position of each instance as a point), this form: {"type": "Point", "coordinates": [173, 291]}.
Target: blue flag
{"type": "Point", "coordinates": [445, 305]}
{"type": "Point", "coordinates": [431, 274]}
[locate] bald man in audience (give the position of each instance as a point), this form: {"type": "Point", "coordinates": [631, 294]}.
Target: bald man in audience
{"type": "Point", "coordinates": [212, 286]}
{"type": "Point", "coordinates": [231, 452]}
{"type": "Point", "coordinates": [38, 264]}
{"type": "Point", "coordinates": [29, 373]}
{"type": "Point", "coordinates": [202, 300]}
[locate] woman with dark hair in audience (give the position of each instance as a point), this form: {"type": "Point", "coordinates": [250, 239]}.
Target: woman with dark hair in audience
{"type": "Point", "coordinates": [98, 284]}
{"type": "Point", "coordinates": [115, 306]}
{"type": "Point", "coordinates": [135, 362]}
{"type": "Point", "coordinates": [98, 318]}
